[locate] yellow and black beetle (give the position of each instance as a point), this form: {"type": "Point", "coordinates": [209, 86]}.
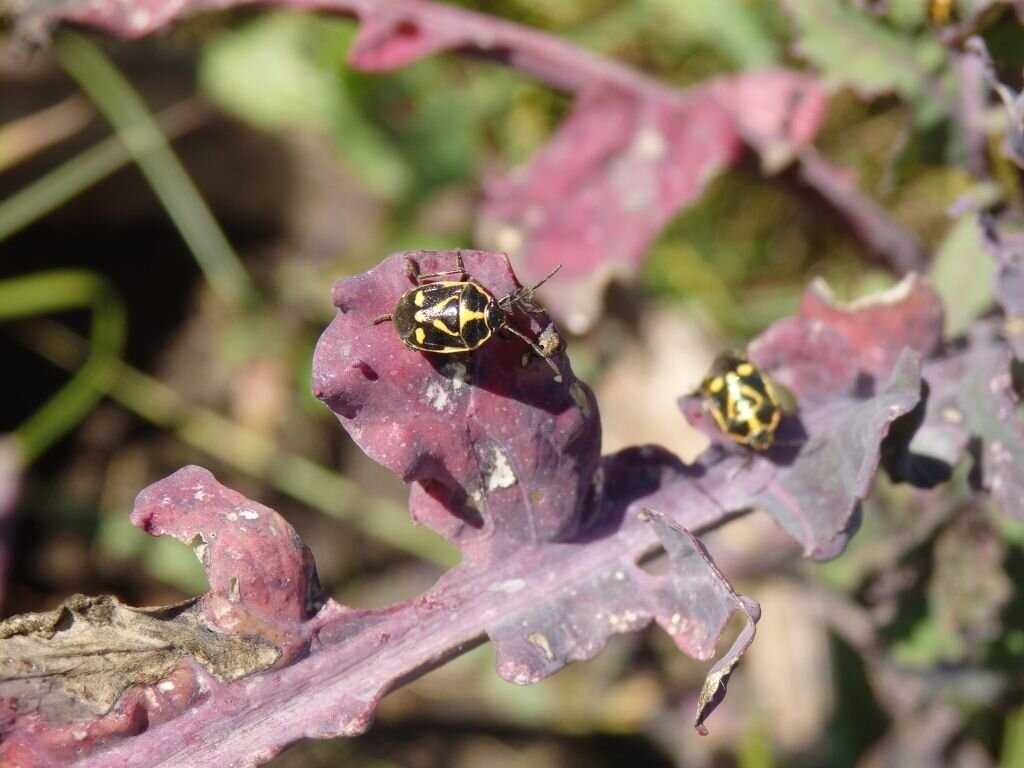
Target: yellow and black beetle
{"type": "Point", "coordinates": [742, 401]}
{"type": "Point", "coordinates": [450, 316]}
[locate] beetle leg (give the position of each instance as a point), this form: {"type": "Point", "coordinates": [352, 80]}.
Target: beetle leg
{"type": "Point", "coordinates": [461, 271]}
{"type": "Point", "coordinates": [536, 348]}
{"type": "Point", "coordinates": [743, 466]}
{"type": "Point", "coordinates": [383, 319]}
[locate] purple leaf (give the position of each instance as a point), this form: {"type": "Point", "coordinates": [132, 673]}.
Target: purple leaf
{"type": "Point", "coordinates": [879, 327]}
{"type": "Point", "coordinates": [972, 400]}
{"type": "Point", "coordinates": [262, 578]}
{"type": "Point", "coordinates": [853, 370]}
{"type": "Point", "coordinates": [489, 435]}
{"type": "Point", "coordinates": [503, 460]}
{"type": "Point", "coordinates": [1007, 248]}
{"type": "Point", "coordinates": [826, 454]}
{"type": "Point", "coordinates": [695, 583]}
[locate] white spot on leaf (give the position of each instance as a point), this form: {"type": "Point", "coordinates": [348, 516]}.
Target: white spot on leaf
{"type": "Point", "coordinates": [510, 587]}
{"type": "Point", "coordinates": [501, 474]}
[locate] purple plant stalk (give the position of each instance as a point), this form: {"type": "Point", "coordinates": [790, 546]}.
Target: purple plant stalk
{"type": "Point", "coordinates": [869, 220]}
{"type": "Point", "coordinates": [632, 153]}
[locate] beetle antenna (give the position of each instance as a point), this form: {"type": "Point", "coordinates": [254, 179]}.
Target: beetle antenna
{"type": "Point", "coordinates": [524, 296]}
{"type": "Point", "coordinates": [551, 274]}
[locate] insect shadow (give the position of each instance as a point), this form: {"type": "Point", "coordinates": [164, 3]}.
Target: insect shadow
{"type": "Point", "coordinates": [499, 369]}
{"type": "Point", "coordinates": [632, 475]}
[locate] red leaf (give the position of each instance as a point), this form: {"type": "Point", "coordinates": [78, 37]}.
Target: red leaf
{"type": "Point", "coordinates": [623, 164]}
{"type": "Point", "coordinates": [878, 328]}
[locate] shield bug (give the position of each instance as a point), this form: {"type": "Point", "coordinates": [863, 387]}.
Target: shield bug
{"type": "Point", "coordinates": [450, 316]}
{"type": "Point", "coordinates": [742, 401]}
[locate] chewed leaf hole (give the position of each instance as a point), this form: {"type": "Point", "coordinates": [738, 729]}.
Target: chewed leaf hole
{"type": "Point", "coordinates": [407, 29]}
{"type": "Point", "coordinates": [366, 369]}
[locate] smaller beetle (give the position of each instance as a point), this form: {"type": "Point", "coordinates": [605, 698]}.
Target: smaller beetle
{"type": "Point", "coordinates": [450, 316]}
{"type": "Point", "coordinates": [742, 401]}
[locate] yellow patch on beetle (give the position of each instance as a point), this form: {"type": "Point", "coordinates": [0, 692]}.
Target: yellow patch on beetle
{"type": "Point", "coordinates": [742, 401]}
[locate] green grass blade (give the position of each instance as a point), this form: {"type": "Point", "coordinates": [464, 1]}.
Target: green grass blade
{"type": "Point", "coordinates": [58, 291]}
{"type": "Point", "coordinates": [121, 105]}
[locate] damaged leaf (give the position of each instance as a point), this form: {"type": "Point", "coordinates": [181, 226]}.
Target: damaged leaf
{"type": "Point", "coordinates": [972, 404]}
{"type": "Point", "coordinates": [76, 660]}
{"type": "Point", "coordinates": [695, 577]}
{"type": "Point", "coordinates": [262, 577]}
{"type": "Point", "coordinates": [853, 370]}
{"type": "Point", "coordinates": [497, 450]}
{"type": "Point", "coordinates": [95, 670]}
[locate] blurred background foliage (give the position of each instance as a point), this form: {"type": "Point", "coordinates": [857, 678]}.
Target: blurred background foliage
{"type": "Point", "coordinates": [174, 211]}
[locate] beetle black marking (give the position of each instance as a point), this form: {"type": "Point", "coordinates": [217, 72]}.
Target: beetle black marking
{"type": "Point", "coordinates": [742, 401]}
{"type": "Point", "coordinates": [451, 316]}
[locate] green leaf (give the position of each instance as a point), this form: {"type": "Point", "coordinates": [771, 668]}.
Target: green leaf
{"type": "Point", "coordinates": [1013, 740]}
{"type": "Point", "coordinates": [907, 14]}
{"type": "Point", "coordinates": [286, 70]}
{"type": "Point", "coordinates": [963, 274]}
{"type": "Point", "coordinates": [731, 26]}
{"type": "Point", "coordinates": [853, 50]}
